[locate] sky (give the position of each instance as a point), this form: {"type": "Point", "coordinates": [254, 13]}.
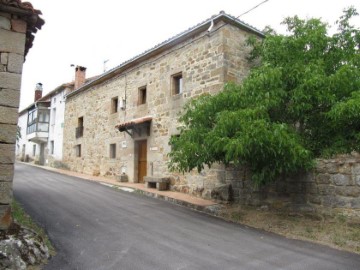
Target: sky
{"type": "Point", "coordinates": [88, 33]}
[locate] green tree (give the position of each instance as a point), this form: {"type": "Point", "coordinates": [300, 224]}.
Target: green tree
{"type": "Point", "coordinates": [301, 102]}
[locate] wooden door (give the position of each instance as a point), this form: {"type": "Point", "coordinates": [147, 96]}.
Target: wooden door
{"type": "Point", "coordinates": [142, 160]}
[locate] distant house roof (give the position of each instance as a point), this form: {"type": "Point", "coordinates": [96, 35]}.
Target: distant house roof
{"type": "Point", "coordinates": [168, 44]}
{"type": "Point", "coordinates": [26, 12]}
{"type": "Point", "coordinates": [47, 96]}
{"type": "Point", "coordinates": [61, 87]}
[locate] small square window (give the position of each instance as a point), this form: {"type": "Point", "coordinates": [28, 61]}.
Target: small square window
{"type": "Point", "coordinates": [142, 95]}
{"type": "Point", "coordinates": [114, 104]}
{"type": "Point", "coordinates": [113, 150]}
{"type": "Point", "coordinates": [177, 84]}
{"type": "Point", "coordinates": [78, 150]}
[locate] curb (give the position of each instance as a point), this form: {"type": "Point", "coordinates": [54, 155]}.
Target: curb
{"type": "Point", "coordinates": [212, 210]}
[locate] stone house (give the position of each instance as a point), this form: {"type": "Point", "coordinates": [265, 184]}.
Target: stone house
{"type": "Point", "coordinates": [120, 123]}
{"type": "Point", "coordinates": [42, 122]}
{"type": "Point", "coordinates": [18, 22]}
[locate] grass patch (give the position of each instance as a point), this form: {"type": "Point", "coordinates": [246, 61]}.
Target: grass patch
{"type": "Point", "coordinates": [338, 231]}
{"type": "Point", "coordinates": [23, 219]}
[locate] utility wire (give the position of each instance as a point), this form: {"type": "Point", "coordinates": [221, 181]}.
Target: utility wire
{"type": "Point", "coordinates": [246, 12]}
{"type": "Point", "coordinates": [169, 52]}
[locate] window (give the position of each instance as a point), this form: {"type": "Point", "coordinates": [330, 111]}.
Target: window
{"type": "Point", "coordinates": [43, 116]}
{"type": "Point", "coordinates": [113, 150]}
{"type": "Point", "coordinates": [51, 147]}
{"type": "Point", "coordinates": [78, 150]}
{"type": "Point", "coordinates": [32, 116]}
{"type": "Point", "coordinates": [114, 104]}
{"type": "Point", "coordinates": [38, 120]}
{"type": "Point", "coordinates": [53, 116]}
{"type": "Point", "coordinates": [79, 131]}
{"type": "Point", "coordinates": [142, 95]}
{"type": "Point", "coordinates": [34, 150]}
{"type": "Point", "coordinates": [80, 121]}
{"type": "Point", "coordinates": [177, 84]}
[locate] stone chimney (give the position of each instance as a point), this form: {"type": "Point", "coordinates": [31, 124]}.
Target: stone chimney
{"type": "Point", "coordinates": [80, 76]}
{"type": "Point", "coordinates": [38, 92]}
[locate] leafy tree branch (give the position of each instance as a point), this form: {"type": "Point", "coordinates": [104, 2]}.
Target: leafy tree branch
{"type": "Point", "coordinates": [301, 102]}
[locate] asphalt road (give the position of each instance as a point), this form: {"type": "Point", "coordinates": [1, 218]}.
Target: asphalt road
{"type": "Point", "coordinates": [96, 227]}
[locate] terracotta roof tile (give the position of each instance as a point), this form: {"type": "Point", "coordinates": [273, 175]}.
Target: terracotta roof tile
{"type": "Point", "coordinates": [133, 122]}
{"type": "Point", "coordinates": [30, 15]}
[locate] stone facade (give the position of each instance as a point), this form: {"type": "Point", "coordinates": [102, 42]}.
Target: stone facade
{"type": "Point", "coordinates": [334, 184]}
{"type": "Point", "coordinates": [147, 87]}
{"type": "Point", "coordinates": [17, 22]}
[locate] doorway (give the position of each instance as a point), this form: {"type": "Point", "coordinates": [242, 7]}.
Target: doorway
{"type": "Point", "coordinates": [42, 154]}
{"type": "Point", "coordinates": [142, 160]}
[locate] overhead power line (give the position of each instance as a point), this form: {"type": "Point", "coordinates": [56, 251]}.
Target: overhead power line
{"type": "Point", "coordinates": [263, 2]}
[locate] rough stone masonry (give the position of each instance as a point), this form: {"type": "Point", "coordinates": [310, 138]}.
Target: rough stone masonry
{"type": "Point", "coordinates": [17, 23]}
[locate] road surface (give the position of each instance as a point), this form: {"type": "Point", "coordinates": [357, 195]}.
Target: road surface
{"type": "Point", "coordinates": [97, 227]}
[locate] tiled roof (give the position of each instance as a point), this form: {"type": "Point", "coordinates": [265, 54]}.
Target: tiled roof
{"type": "Point", "coordinates": [222, 13]}
{"type": "Point", "coordinates": [66, 85]}
{"type": "Point", "coordinates": [18, 4]}
{"type": "Point", "coordinates": [26, 11]}
{"type": "Point", "coordinates": [167, 43]}
{"type": "Point", "coordinates": [54, 92]}
{"type": "Point", "coordinates": [130, 124]}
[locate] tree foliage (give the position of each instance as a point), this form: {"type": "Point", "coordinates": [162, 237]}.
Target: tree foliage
{"type": "Point", "coordinates": [301, 102]}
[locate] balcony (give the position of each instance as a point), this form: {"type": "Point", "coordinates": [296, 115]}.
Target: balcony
{"type": "Point", "coordinates": [79, 132]}
{"type": "Point", "coordinates": [38, 125]}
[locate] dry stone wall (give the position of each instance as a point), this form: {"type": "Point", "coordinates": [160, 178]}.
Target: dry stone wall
{"type": "Point", "coordinates": [12, 45]}
{"type": "Point", "coordinates": [334, 184]}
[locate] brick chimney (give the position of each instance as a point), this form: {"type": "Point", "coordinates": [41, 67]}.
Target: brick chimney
{"type": "Point", "coordinates": [38, 92]}
{"type": "Point", "coordinates": [80, 76]}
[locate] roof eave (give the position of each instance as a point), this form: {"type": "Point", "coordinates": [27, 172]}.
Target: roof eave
{"type": "Point", "coordinates": [166, 45]}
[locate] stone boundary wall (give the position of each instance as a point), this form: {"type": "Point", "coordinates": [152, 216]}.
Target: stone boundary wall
{"type": "Point", "coordinates": [334, 184]}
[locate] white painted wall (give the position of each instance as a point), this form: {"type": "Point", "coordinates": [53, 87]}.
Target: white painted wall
{"type": "Point", "coordinates": [57, 110]}
{"type": "Point", "coordinates": [23, 142]}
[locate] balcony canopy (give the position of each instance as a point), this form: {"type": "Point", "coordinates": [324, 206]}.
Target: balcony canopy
{"type": "Point", "coordinates": [135, 125]}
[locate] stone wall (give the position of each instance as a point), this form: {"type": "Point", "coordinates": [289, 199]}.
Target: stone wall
{"type": "Point", "coordinates": [12, 45]}
{"type": "Point", "coordinates": [18, 22]}
{"type": "Point", "coordinates": [206, 62]}
{"type": "Point", "coordinates": [334, 184]}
